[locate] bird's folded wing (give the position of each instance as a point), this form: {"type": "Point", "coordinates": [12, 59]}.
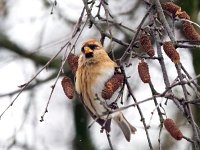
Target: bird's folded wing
{"type": "Point", "coordinates": [103, 123]}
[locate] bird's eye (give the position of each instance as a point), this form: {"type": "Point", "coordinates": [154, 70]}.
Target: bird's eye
{"type": "Point", "coordinates": [92, 46]}
{"type": "Point", "coordinates": [82, 49]}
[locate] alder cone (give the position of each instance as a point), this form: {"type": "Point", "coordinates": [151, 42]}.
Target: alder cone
{"type": "Point", "coordinates": [73, 62]}
{"type": "Point", "coordinates": [171, 7]}
{"type": "Point", "coordinates": [190, 32]}
{"type": "Point", "coordinates": [182, 15]}
{"type": "Point", "coordinates": [173, 129]}
{"type": "Point", "coordinates": [146, 45]}
{"type": "Point", "coordinates": [112, 85]}
{"type": "Point", "coordinates": [171, 52]}
{"type": "Point", "coordinates": [143, 71]}
{"type": "Point", "coordinates": [68, 87]}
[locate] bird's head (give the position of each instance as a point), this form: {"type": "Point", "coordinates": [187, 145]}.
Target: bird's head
{"type": "Point", "coordinates": [93, 53]}
{"type": "Point", "coordinates": [91, 48]}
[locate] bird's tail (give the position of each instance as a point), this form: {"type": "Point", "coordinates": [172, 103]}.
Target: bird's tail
{"type": "Point", "coordinates": [125, 126]}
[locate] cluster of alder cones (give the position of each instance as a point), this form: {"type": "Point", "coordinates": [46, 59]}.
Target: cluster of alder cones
{"type": "Point", "coordinates": [145, 43]}
{"type": "Point", "coordinates": [168, 47]}
{"type": "Point", "coordinates": [188, 29]}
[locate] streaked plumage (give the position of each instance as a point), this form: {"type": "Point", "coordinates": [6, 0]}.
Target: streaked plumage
{"type": "Point", "coordinates": [95, 68]}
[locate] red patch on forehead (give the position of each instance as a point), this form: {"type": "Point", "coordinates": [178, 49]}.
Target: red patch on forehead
{"type": "Point", "coordinates": [91, 41]}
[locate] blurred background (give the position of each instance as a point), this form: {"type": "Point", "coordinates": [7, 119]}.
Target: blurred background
{"type": "Point", "coordinates": [31, 33]}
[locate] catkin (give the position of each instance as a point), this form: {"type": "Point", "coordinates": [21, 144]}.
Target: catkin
{"type": "Point", "coordinates": [73, 62]}
{"type": "Point", "coordinates": [112, 85]}
{"type": "Point", "coordinates": [173, 129]}
{"type": "Point", "coordinates": [143, 71]}
{"type": "Point", "coordinates": [68, 87]}
{"type": "Point", "coordinates": [171, 7]}
{"type": "Point", "coordinates": [190, 32]}
{"type": "Point", "coordinates": [146, 45]}
{"type": "Point", "coordinates": [182, 15]}
{"type": "Point", "coordinates": [171, 52]}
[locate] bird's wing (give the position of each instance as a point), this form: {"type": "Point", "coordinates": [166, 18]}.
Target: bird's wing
{"type": "Point", "coordinates": [77, 87]}
{"type": "Point", "coordinates": [104, 123]}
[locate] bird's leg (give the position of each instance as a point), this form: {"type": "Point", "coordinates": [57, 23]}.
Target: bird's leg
{"type": "Point", "coordinates": [113, 106]}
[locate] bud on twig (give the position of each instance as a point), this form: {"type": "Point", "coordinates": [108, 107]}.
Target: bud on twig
{"type": "Point", "coordinates": [190, 32]}
{"type": "Point", "coordinates": [173, 129]}
{"type": "Point", "coordinates": [112, 85]}
{"type": "Point", "coordinates": [143, 71]}
{"type": "Point", "coordinates": [146, 45]}
{"type": "Point", "coordinates": [68, 87]}
{"type": "Point", "coordinates": [171, 52]}
{"type": "Point", "coordinates": [73, 62]}
{"type": "Point", "coordinates": [171, 7]}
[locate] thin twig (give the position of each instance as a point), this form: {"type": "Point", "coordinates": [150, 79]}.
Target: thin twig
{"type": "Point", "coordinates": [92, 19]}
{"type": "Point", "coordinates": [139, 109]}
{"type": "Point", "coordinates": [32, 86]}
{"type": "Point", "coordinates": [109, 141]}
{"type": "Point", "coordinates": [79, 32]}
{"type": "Point", "coordinates": [136, 34]}
{"type": "Point", "coordinates": [26, 84]}
{"type": "Point", "coordinates": [52, 88]}
{"type": "Point", "coordinates": [187, 46]}
{"type": "Point", "coordinates": [164, 21]}
{"type": "Point", "coordinates": [188, 110]}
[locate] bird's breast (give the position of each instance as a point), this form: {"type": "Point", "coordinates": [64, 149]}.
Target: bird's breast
{"type": "Point", "coordinates": [99, 103]}
{"type": "Point", "coordinates": [91, 83]}
{"type": "Point", "coordinates": [104, 75]}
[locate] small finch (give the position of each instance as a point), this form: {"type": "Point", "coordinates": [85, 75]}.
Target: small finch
{"type": "Point", "coordinates": [95, 68]}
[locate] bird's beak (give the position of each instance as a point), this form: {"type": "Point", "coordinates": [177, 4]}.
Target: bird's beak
{"type": "Point", "coordinates": [87, 50]}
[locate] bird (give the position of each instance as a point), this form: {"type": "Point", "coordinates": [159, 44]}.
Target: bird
{"type": "Point", "coordinates": [95, 68]}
